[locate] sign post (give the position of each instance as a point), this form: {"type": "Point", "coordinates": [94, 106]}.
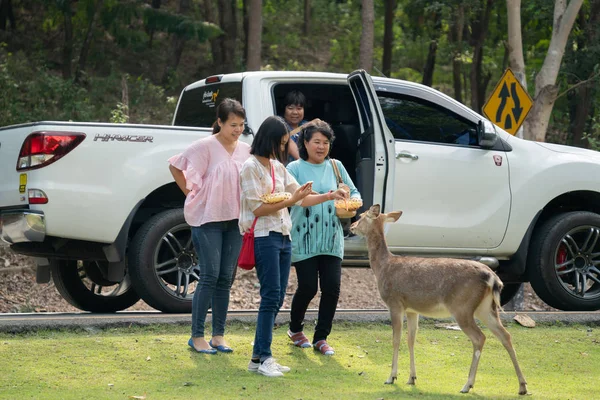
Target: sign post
{"type": "Point", "coordinates": [509, 103]}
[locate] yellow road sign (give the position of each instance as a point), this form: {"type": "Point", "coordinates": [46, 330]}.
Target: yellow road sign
{"type": "Point", "coordinates": [509, 103]}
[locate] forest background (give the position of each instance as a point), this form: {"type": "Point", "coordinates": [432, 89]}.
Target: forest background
{"type": "Point", "coordinates": [128, 60]}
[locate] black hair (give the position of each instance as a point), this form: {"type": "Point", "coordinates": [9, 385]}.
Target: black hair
{"type": "Point", "coordinates": [267, 141]}
{"type": "Point", "coordinates": [295, 98]}
{"type": "Point", "coordinates": [225, 108]}
{"type": "Point", "coordinates": [307, 133]}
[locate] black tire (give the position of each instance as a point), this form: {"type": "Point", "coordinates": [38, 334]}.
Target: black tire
{"type": "Point", "coordinates": [561, 261]}
{"type": "Point", "coordinates": [508, 292]}
{"type": "Point", "coordinates": [73, 281]}
{"type": "Point", "coordinates": [163, 264]}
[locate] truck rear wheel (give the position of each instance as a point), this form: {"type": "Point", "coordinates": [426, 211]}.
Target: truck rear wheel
{"type": "Point", "coordinates": [81, 284]}
{"type": "Point", "coordinates": [163, 263]}
{"type": "Point", "coordinates": [563, 261]}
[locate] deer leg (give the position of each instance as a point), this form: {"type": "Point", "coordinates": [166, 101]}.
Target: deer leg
{"type": "Point", "coordinates": [492, 320]}
{"type": "Point", "coordinates": [412, 320]}
{"type": "Point", "coordinates": [469, 327]}
{"type": "Point", "coordinates": [397, 315]}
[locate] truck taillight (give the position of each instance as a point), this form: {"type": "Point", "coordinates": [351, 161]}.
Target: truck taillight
{"type": "Point", "coordinates": [43, 148]}
{"type": "Point", "coordinates": [37, 196]}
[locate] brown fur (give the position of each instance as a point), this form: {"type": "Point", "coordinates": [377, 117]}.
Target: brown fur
{"type": "Point", "coordinates": [437, 287]}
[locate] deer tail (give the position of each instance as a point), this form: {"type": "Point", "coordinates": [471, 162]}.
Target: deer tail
{"type": "Point", "coordinates": [497, 286]}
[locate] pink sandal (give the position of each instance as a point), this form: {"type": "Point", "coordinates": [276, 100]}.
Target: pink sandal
{"type": "Point", "coordinates": [324, 348]}
{"type": "Point", "coordinates": [299, 339]}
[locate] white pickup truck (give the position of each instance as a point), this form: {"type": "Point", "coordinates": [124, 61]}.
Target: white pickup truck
{"type": "Point", "coordinates": [97, 207]}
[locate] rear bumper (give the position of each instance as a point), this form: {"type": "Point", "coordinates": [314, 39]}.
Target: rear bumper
{"type": "Point", "coordinates": [17, 226]}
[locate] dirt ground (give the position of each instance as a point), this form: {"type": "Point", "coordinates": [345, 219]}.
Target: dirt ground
{"type": "Point", "coordinates": [20, 293]}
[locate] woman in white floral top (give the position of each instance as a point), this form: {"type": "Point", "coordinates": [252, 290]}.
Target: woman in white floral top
{"type": "Point", "coordinates": [272, 245]}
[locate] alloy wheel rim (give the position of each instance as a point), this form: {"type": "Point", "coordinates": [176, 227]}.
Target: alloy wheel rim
{"type": "Point", "coordinates": [176, 262]}
{"type": "Point", "coordinates": [576, 261]}
{"type": "Point", "coordinates": [114, 290]}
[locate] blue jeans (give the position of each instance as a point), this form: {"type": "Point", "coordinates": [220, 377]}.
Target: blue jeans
{"type": "Point", "coordinates": [273, 255]}
{"type": "Point", "coordinates": [218, 246]}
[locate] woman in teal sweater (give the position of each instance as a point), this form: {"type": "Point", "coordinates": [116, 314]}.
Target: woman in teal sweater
{"type": "Point", "coordinates": [317, 237]}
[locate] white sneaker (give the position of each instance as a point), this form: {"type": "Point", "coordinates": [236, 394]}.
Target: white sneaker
{"type": "Point", "coordinates": [270, 368]}
{"type": "Point", "coordinates": [253, 367]}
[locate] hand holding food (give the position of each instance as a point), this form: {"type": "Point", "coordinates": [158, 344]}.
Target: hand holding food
{"type": "Point", "coordinates": [302, 192]}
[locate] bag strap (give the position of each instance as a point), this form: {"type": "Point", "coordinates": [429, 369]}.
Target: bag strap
{"type": "Point", "coordinates": [272, 176]}
{"type": "Point", "coordinates": [253, 224]}
{"type": "Point", "coordinates": [336, 171]}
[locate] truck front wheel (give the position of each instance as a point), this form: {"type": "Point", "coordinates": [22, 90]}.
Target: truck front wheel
{"type": "Point", "coordinates": [163, 263]}
{"type": "Point", "coordinates": [563, 261]}
{"type": "Point", "coordinates": [81, 284]}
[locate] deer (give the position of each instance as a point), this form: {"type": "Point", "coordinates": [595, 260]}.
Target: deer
{"type": "Point", "coordinates": [434, 287]}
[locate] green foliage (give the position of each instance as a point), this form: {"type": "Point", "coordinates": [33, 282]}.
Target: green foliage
{"type": "Point", "coordinates": [593, 135]}
{"type": "Point", "coordinates": [120, 115]}
{"type": "Point", "coordinates": [35, 94]}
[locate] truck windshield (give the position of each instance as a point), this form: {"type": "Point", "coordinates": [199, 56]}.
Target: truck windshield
{"type": "Point", "coordinates": [197, 106]}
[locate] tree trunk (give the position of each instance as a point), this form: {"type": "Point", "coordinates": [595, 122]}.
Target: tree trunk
{"type": "Point", "coordinates": [456, 38]}
{"type": "Point", "coordinates": [582, 110]}
{"type": "Point", "coordinates": [85, 48]}
{"type": "Point", "coordinates": [582, 99]}
{"type": "Point", "coordinates": [68, 47]}
{"type": "Point", "coordinates": [156, 5]}
{"type": "Point", "coordinates": [479, 28]}
{"type": "Point", "coordinates": [228, 22]}
{"type": "Point", "coordinates": [215, 44]}
{"type": "Point", "coordinates": [515, 46]}
{"type": "Point", "coordinates": [177, 45]}
{"type": "Point", "coordinates": [430, 63]}
{"type": "Point", "coordinates": [7, 15]}
{"type": "Point", "coordinates": [254, 35]}
{"type": "Point", "coordinates": [307, 17]}
{"type": "Point", "coordinates": [536, 124]}
{"type": "Point", "coordinates": [388, 36]}
{"type": "Point", "coordinates": [367, 36]}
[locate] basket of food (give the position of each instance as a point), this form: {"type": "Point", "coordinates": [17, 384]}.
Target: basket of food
{"type": "Point", "coordinates": [347, 208]}
{"type": "Point", "coordinates": [272, 198]}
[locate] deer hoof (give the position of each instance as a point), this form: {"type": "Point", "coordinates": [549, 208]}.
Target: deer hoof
{"type": "Point", "coordinates": [466, 388]}
{"type": "Point", "coordinates": [391, 380]}
{"type": "Point", "coordinates": [411, 380]}
{"type": "Point", "coordinates": [523, 389]}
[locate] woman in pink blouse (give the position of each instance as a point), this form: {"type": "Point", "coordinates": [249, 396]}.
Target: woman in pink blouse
{"type": "Point", "coordinates": [208, 174]}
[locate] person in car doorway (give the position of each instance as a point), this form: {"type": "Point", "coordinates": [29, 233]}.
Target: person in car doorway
{"type": "Point", "coordinates": [293, 114]}
{"type": "Point", "coordinates": [208, 174]}
{"type": "Point", "coordinates": [317, 237]}
{"type": "Point", "coordinates": [262, 174]}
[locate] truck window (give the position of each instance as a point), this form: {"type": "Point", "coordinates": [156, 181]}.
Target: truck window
{"type": "Point", "coordinates": [197, 106]}
{"type": "Point", "coordinates": [409, 118]}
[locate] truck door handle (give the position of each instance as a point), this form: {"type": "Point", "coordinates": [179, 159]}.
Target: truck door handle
{"type": "Point", "coordinates": [407, 155]}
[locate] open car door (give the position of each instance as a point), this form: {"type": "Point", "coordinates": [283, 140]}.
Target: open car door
{"type": "Point", "coordinates": [374, 173]}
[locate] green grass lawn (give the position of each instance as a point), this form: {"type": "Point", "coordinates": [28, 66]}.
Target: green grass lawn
{"type": "Point", "coordinates": [559, 362]}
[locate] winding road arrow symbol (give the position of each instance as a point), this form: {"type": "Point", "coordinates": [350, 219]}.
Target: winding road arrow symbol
{"type": "Point", "coordinates": [504, 94]}
{"type": "Point", "coordinates": [517, 109]}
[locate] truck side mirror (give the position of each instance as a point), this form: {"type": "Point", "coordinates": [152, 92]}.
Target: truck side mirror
{"type": "Point", "coordinates": [486, 134]}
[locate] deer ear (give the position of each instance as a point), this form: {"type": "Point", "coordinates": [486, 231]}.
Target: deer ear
{"type": "Point", "coordinates": [375, 210]}
{"type": "Point", "coordinates": [393, 216]}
